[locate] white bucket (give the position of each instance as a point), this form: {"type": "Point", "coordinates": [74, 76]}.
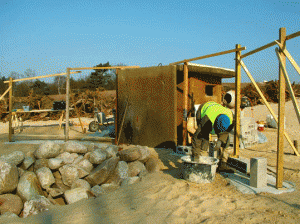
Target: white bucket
{"type": "Point", "coordinates": [199, 172]}
{"type": "Point", "coordinates": [271, 121]}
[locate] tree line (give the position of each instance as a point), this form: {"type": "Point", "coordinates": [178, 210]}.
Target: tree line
{"type": "Point", "coordinates": [104, 79]}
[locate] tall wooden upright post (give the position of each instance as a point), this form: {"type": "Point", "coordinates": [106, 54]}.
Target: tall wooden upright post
{"type": "Point", "coordinates": [116, 112]}
{"type": "Point", "coordinates": [280, 139]}
{"type": "Point", "coordinates": [10, 109]}
{"type": "Point", "coordinates": [185, 101]}
{"type": "Point", "coordinates": [237, 103]}
{"type": "Point", "coordinates": [67, 104]}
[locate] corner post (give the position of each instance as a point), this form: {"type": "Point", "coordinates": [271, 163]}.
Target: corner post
{"type": "Point", "coordinates": [116, 112]}
{"type": "Point", "coordinates": [185, 101]}
{"type": "Point", "coordinates": [280, 133]}
{"type": "Point", "coordinates": [10, 110]}
{"type": "Point", "coordinates": [237, 103]}
{"type": "Point", "coordinates": [67, 104]}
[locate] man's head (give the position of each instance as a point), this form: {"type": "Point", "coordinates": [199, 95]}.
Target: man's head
{"type": "Point", "coordinates": [222, 123]}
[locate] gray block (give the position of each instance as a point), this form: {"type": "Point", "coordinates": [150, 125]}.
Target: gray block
{"type": "Point", "coordinates": [258, 172]}
{"type": "Point", "coordinates": [240, 164]}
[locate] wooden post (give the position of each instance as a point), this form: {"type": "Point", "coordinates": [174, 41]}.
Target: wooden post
{"type": "Point", "coordinates": [10, 109]}
{"type": "Point", "coordinates": [67, 104]}
{"type": "Point", "coordinates": [116, 112]}
{"type": "Point", "coordinates": [281, 107]}
{"type": "Point", "coordinates": [237, 115]}
{"type": "Point", "coordinates": [185, 101]}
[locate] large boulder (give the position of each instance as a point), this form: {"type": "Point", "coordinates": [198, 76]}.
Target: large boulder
{"type": "Point", "coordinates": [27, 162]}
{"type": "Point", "coordinates": [55, 192]}
{"type": "Point", "coordinates": [81, 184]}
{"type": "Point", "coordinates": [97, 190]}
{"type": "Point", "coordinates": [75, 147]}
{"type": "Point", "coordinates": [29, 186]}
{"type": "Point", "coordinates": [45, 177]}
{"type": "Point", "coordinates": [152, 165]}
{"type": "Point", "coordinates": [75, 195]}
{"type": "Point", "coordinates": [9, 177]}
{"type": "Point", "coordinates": [119, 174]}
{"type": "Point", "coordinates": [145, 153]}
{"type": "Point", "coordinates": [129, 181]}
{"type": "Point", "coordinates": [112, 150]}
{"type": "Point", "coordinates": [98, 156]}
{"type": "Point", "coordinates": [40, 163]}
{"type": "Point", "coordinates": [55, 163]}
{"type": "Point", "coordinates": [67, 157]}
{"type": "Point", "coordinates": [69, 174]}
{"type": "Point", "coordinates": [130, 154]}
{"type": "Point", "coordinates": [47, 150]}
{"type": "Point", "coordinates": [10, 203]}
{"type": "Point", "coordinates": [102, 172]}
{"type": "Point", "coordinates": [9, 215]}
{"type": "Point", "coordinates": [36, 205]}
{"type": "Point", "coordinates": [134, 168]}
{"type": "Point", "coordinates": [14, 158]}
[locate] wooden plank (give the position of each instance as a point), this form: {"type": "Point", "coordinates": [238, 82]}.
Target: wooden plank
{"type": "Point", "coordinates": [116, 114]}
{"type": "Point", "coordinates": [281, 110]}
{"type": "Point", "coordinates": [67, 104]}
{"type": "Point", "coordinates": [120, 131]}
{"type": "Point", "coordinates": [10, 109]}
{"type": "Point", "coordinates": [6, 91]}
{"type": "Point", "coordinates": [41, 77]}
{"type": "Point", "coordinates": [267, 104]}
{"type": "Point", "coordinates": [185, 101]}
{"type": "Point", "coordinates": [98, 68]}
{"type": "Point", "coordinates": [293, 35]}
{"type": "Point", "coordinates": [208, 56]}
{"type": "Point", "coordinates": [237, 131]}
{"type": "Point", "coordinates": [294, 100]}
{"type": "Point", "coordinates": [289, 56]}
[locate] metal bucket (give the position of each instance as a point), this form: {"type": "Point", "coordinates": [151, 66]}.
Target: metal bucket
{"type": "Point", "coordinates": [199, 172]}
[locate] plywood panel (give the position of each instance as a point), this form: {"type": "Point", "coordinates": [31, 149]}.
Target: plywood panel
{"type": "Point", "coordinates": [152, 101]}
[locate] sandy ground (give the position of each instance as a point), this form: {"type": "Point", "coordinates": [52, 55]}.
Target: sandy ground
{"type": "Point", "coordinates": [164, 197]}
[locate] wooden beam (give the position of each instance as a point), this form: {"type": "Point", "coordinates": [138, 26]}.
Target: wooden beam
{"type": "Point", "coordinates": [10, 109]}
{"type": "Point", "coordinates": [258, 49]}
{"type": "Point", "coordinates": [67, 104]}
{"type": "Point", "coordinates": [9, 88]}
{"type": "Point", "coordinates": [294, 100]}
{"type": "Point", "coordinates": [98, 68]}
{"type": "Point", "coordinates": [185, 101]}
{"type": "Point", "coordinates": [281, 107]}
{"type": "Point", "coordinates": [208, 56]}
{"type": "Point", "coordinates": [237, 131]}
{"type": "Point", "coordinates": [41, 77]}
{"type": "Point", "coordinates": [293, 35]}
{"type": "Point", "coordinates": [289, 56]}
{"type": "Point", "coordinates": [267, 104]}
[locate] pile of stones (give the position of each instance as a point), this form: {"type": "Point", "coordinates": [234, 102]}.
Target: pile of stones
{"type": "Point", "coordinates": [60, 174]}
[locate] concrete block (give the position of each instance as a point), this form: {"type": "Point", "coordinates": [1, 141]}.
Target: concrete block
{"type": "Point", "coordinates": [240, 164]}
{"type": "Point", "coordinates": [258, 172]}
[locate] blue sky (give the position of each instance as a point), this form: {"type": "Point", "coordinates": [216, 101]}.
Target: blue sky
{"type": "Point", "coordinates": [48, 36]}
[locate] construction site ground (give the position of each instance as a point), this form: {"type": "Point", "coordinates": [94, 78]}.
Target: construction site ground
{"type": "Point", "coordinates": [164, 197]}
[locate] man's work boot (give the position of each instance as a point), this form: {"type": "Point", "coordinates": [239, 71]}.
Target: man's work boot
{"type": "Point", "coordinates": [223, 167]}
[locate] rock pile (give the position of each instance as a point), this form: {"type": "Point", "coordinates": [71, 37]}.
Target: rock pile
{"type": "Point", "coordinates": [64, 174]}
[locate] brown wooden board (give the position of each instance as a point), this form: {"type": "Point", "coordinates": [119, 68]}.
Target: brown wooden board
{"type": "Point", "coordinates": [150, 118]}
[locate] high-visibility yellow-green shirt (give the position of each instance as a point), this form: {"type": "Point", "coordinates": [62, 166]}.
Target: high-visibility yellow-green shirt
{"type": "Point", "coordinates": [213, 110]}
